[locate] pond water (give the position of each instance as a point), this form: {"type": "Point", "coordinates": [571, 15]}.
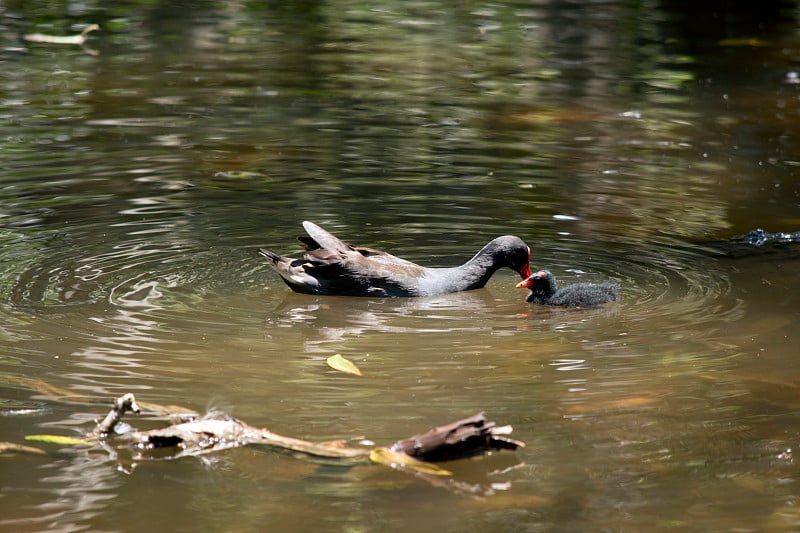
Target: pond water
{"type": "Point", "coordinates": [624, 141]}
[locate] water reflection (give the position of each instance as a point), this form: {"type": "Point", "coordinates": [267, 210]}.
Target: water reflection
{"type": "Point", "coordinates": [138, 184]}
{"type": "Point", "coordinates": [324, 320]}
{"type": "Point", "coordinates": [78, 488]}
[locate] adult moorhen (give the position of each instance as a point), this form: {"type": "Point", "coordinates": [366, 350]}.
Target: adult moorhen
{"type": "Point", "coordinates": [333, 267]}
{"type": "Point", "coordinates": [545, 291]}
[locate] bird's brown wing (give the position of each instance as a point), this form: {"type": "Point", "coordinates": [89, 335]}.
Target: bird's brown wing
{"type": "Point", "coordinates": [319, 238]}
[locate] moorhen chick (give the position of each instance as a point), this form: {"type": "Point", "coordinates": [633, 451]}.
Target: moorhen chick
{"type": "Point", "coordinates": [545, 291]}
{"type": "Point", "coordinates": [333, 267]}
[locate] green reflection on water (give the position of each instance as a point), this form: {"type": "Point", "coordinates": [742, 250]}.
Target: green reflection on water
{"type": "Point", "coordinates": [137, 185]}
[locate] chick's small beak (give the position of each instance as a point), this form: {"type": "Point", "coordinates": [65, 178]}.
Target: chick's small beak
{"type": "Point", "coordinates": [525, 284]}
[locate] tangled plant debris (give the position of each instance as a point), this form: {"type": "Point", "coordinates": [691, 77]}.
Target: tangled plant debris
{"type": "Point", "coordinates": [196, 435]}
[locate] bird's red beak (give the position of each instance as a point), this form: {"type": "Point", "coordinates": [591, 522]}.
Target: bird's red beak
{"type": "Point", "coordinates": [525, 273]}
{"type": "Point", "coordinates": [526, 283]}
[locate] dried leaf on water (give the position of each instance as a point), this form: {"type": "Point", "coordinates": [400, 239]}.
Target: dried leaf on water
{"type": "Point", "coordinates": [338, 362]}
{"type": "Point", "coordinates": [617, 404]}
{"type": "Point", "coordinates": [744, 41]}
{"type": "Point", "coordinates": [40, 386]}
{"type": "Point", "coordinates": [511, 501]}
{"type": "Point", "coordinates": [387, 457]}
{"type": "Point", "coordinates": [58, 439]}
{"type": "Point", "coordinates": [12, 447]}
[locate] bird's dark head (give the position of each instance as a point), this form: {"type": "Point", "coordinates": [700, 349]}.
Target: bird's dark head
{"type": "Point", "coordinates": [512, 252]}
{"type": "Point", "coordinates": [542, 284]}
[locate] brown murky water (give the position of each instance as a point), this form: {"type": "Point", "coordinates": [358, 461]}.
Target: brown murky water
{"type": "Point", "coordinates": [624, 141]}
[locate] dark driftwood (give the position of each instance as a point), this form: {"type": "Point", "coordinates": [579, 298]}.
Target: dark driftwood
{"type": "Point", "coordinates": [457, 440]}
{"type": "Point", "coordinates": [216, 431]}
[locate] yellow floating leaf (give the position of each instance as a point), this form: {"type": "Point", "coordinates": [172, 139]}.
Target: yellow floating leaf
{"type": "Point", "coordinates": [387, 457]}
{"type": "Point", "coordinates": [337, 362]}
{"type": "Point", "coordinates": [58, 439]}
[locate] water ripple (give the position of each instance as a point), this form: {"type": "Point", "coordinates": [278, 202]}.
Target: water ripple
{"type": "Point", "coordinates": [161, 262]}
{"type": "Point", "coordinates": [152, 252]}
{"type": "Point", "coordinates": [670, 280]}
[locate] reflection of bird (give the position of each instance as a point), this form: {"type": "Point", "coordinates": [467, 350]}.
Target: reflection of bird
{"type": "Point", "coordinates": [333, 267]}
{"type": "Point", "coordinates": [545, 291]}
{"type": "Point", "coordinates": [318, 323]}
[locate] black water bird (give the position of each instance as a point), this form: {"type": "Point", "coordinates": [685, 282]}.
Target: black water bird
{"type": "Point", "coordinates": [333, 267]}
{"type": "Point", "coordinates": [545, 291]}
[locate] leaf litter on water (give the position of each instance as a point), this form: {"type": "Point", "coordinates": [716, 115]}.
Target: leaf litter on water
{"type": "Point", "coordinates": [340, 363]}
{"type": "Point", "coordinates": [58, 439]}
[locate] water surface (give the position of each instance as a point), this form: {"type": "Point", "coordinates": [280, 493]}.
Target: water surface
{"type": "Point", "coordinates": [622, 141]}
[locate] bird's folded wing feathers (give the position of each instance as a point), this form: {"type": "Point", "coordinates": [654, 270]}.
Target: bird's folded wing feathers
{"type": "Point", "coordinates": [323, 239]}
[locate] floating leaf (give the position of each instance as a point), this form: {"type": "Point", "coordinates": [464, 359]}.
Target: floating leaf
{"type": "Point", "coordinates": [387, 457]}
{"type": "Point", "coordinates": [337, 362]}
{"type": "Point", "coordinates": [743, 41]}
{"type": "Point", "coordinates": [41, 386]}
{"type": "Point", "coordinates": [632, 402]}
{"type": "Point", "coordinates": [12, 447]}
{"type": "Point", "coordinates": [58, 439]}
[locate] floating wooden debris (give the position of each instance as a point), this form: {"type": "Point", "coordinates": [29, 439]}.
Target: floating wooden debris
{"type": "Point", "coordinates": [463, 438]}
{"type": "Point", "coordinates": [194, 435]}
{"type": "Point", "coordinates": [217, 431]}
{"type": "Point", "coordinates": [79, 39]}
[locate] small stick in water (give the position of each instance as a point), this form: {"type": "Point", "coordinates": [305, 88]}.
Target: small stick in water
{"type": "Point", "coordinates": [79, 39]}
{"type": "Point", "coordinates": [61, 39]}
{"type": "Point", "coordinates": [124, 403]}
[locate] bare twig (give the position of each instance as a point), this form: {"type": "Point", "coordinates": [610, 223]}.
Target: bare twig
{"type": "Point", "coordinates": [61, 39]}
{"type": "Point", "coordinates": [122, 404]}
{"type": "Point", "coordinates": [79, 39]}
